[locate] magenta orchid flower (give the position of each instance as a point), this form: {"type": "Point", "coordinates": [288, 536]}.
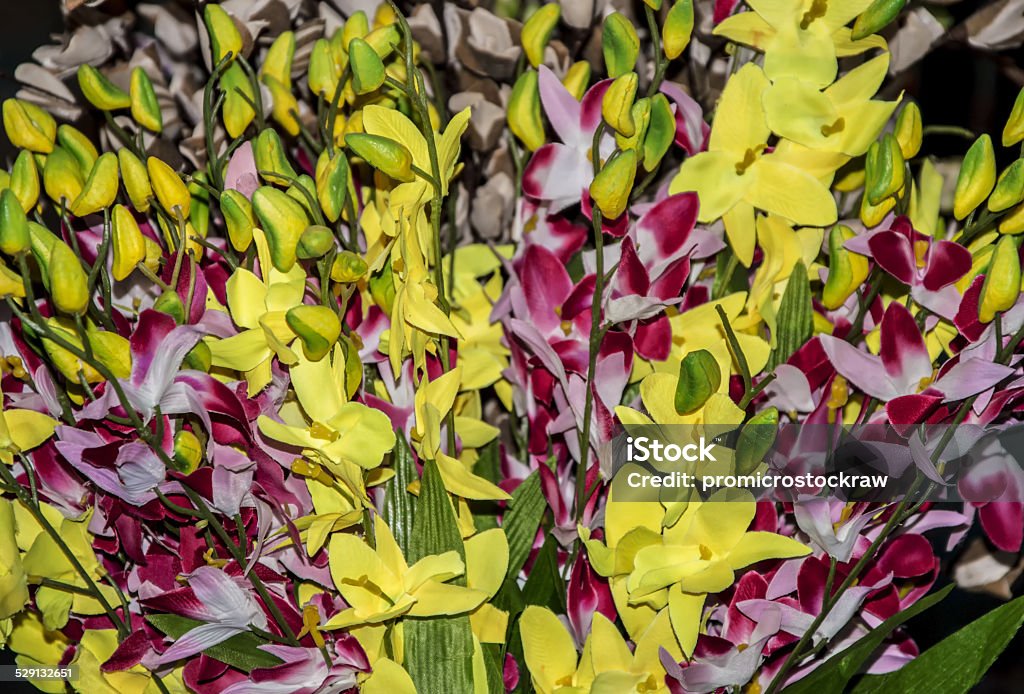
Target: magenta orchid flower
{"type": "Point", "coordinates": [303, 670]}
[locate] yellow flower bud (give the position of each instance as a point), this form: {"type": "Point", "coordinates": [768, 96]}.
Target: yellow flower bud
{"type": "Point", "coordinates": [283, 220]}
{"type": "Point", "coordinates": [101, 92]}
{"type": "Point", "coordinates": [1013, 223]}
{"type": "Point", "coordinates": [224, 35]}
{"type": "Point", "coordinates": [28, 126]}
{"type": "Point", "coordinates": [1013, 131]}
{"type": "Point", "coordinates": [237, 211]}
{"type": "Point", "coordinates": [80, 146]}
{"type": "Point", "coordinates": [323, 70]}
{"type": "Point", "coordinates": [872, 215]}
{"type": "Point", "coordinates": [620, 44]}
{"type": "Point", "coordinates": [318, 328]}
{"type": "Point", "coordinates": [1001, 287]}
{"type": "Point", "coordinates": [1009, 188]}
{"type": "Point", "coordinates": [145, 107]}
{"type": "Point", "coordinates": [69, 286]}
{"type": "Point", "coordinates": [524, 111]}
{"type": "Point", "coordinates": [613, 184]}
{"type": "Point", "coordinates": [199, 215]}
{"type": "Point", "coordinates": [909, 130]}
{"type": "Point", "coordinates": [14, 237]}
{"type": "Point", "coordinates": [278, 63]}
{"type": "Point", "coordinates": [25, 180]}
{"type": "Point", "coordinates": [661, 131]}
{"type": "Point", "coordinates": [383, 40]}
{"type": "Point", "coordinates": [128, 242]}
{"type": "Point", "coordinates": [199, 358]}
{"type": "Point", "coordinates": [367, 69]}
{"type": "Point", "coordinates": [239, 97]}
{"type": "Point", "coordinates": [382, 288]}
{"type": "Point", "coordinates": [675, 35]}
{"type": "Point", "coordinates": [617, 104]}
{"type": "Point", "coordinates": [11, 284]}
{"type": "Point", "coordinates": [383, 154]}
{"type": "Point", "coordinates": [170, 190]}
{"type": "Point", "coordinates": [537, 30]}
{"type": "Point", "coordinates": [332, 186]}
{"type": "Point", "coordinates": [348, 267]}
{"type": "Point", "coordinates": [384, 16]}
{"type": "Point", "coordinates": [356, 27]}
{"type": "Point", "coordinates": [977, 177]}
{"type": "Point", "coordinates": [641, 115]}
{"type": "Point", "coordinates": [67, 363]}
{"type": "Point", "coordinates": [286, 106]}
{"type": "Point", "coordinates": [846, 270]}
{"type": "Point", "coordinates": [136, 179]}
{"type": "Point", "coordinates": [61, 176]}
{"type": "Point", "coordinates": [188, 451]}
{"type": "Point", "coordinates": [100, 188]}
{"type": "Point", "coordinates": [576, 79]}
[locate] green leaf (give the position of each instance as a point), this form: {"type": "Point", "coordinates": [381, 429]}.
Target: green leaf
{"type": "Point", "coordinates": [399, 511]}
{"type": "Point", "coordinates": [699, 379]}
{"type": "Point", "coordinates": [756, 439]}
{"type": "Point", "coordinates": [795, 322]}
{"type": "Point", "coordinates": [240, 651]}
{"type": "Point", "coordinates": [836, 672]}
{"type": "Point", "coordinates": [438, 650]}
{"type": "Point", "coordinates": [545, 586]}
{"type": "Point", "coordinates": [526, 508]}
{"type": "Point", "coordinates": [878, 15]}
{"type": "Point", "coordinates": [958, 662]}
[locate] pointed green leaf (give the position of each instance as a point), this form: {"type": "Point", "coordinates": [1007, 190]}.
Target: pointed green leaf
{"type": "Point", "coordinates": [399, 510]}
{"type": "Point", "coordinates": [699, 379]}
{"type": "Point", "coordinates": [795, 322]}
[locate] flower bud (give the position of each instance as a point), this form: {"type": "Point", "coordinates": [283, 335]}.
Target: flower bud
{"type": "Point", "coordinates": [136, 180]}
{"type": "Point", "coordinates": [315, 241]}
{"type": "Point", "coordinates": [239, 98]}
{"type": "Point", "coordinates": [367, 69]}
{"type": "Point", "coordinates": [323, 70]}
{"type": "Point", "coordinates": [909, 130]}
{"type": "Point", "coordinates": [69, 286]}
{"type": "Point", "coordinates": [613, 184]}
{"type": "Point", "coordinates": [348, 267]}
{"type": "Point", "coordinates": [61, 176]}
{"type": "Point", "coordinates": [382, 288]}
{"type": "Point", "coordinates": [1013, 223]}
{"type": "Point", "coordinates": [641, 115]}
{"type": "Point", "coordinates": [101, 92]}
{"type": "Point", "coordinates": [302, 191]}
{"type": "Point", "coordinates": [271, 159]}
{"type": "Point", "coordinates": [170, 190]}
{"type": "Point", "coordinates": [617, 104]}
{"type": "Point", "coordinates": [872, 215]}
{"type": "Point", "coordinates": [286, 106]}
{"type": "Point", "coordinates": [661, 132]}
{"type": "Point", "coordinates": [885, 169]}
{"type": "Point", "coordinates": [537, 30]}
{"type": "Point", "coordinates": [111, 350]}
{"type": "Point", "coordinates": [846, 270]}
{"type": "Point", "coordinates": [78, 145]}
{"type": "Point", "coordinates": [128, 242]}
{"type": "Point", "coordinates": [699, 379]}
{"type": "Point", "coordinates": [28, 126]}
{"type": "Point", "coordinates": [653, 4]}
{"type": "Point", "coordinates": [356, 27]}
{"type": "Point", "coordinates": [383, 154]}
{"type": "Point", "coordinates": [675, 34]}
{"type": "Point", "coordinates": [11, 284]}
{"type": "Point", "coordinates": [318, 328]}
{"type": "Point", "coordinates": [977, 177]}
{"type": "Point", "coordinates": [524, 111]}
{"type": "Point", "coordinates": [876, 17]}
{"type": "Point", "coordinates": [1001, 288]}
{"type": "Point", "coordinates": [278, 62]}
{"type": "Point", "coordinates": [283, 220]}
{"type": "Point", "coordinates": [199, 215]}
{"type": "Point", "coordinates": [65, 361]}
{"type": "Point", "coordinates": [145, 107]}
{"type": "Point", "coordinates": [199, 358]}
{"type": "Point", "coordinates": [1013, 131]}
{"type": "Point", "coordinates": [383, 40]}
{"type": "Point", "coordinates": [332, 186]}
{"type": "Point", "coordinates": [14, 237]}
{"type": "Point", "coordinates": [224, 35]}
{"type": "Point", "coordinates": [188, 451]}
{"type": "Point", "coordinates": [620, 44]}
{"type": "Point", "coordinates": [237, 211]}
{"type": "Point", "coordinates": [1009, 188]}
{"type": "Point", "coordinates": [100, 188]}
{"type": "Point", "coordinates": [170, 302]}
{"type": "Point", "coordinates": [25, 180]}
{"type": "Point", "coordinates": [576, 79]}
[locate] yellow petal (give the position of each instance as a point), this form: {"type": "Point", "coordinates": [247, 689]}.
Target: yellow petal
{"type": "Point", "coordinates": [388, 677]}
{"type": "Point", "coordinates": [461, 482]}
{"type": "Point", "coordinates": [28, 428]}
{"type": "Point", "coordinates": [548, 649]}
{"type": "Point", "coordinates": [758, 546]}
{"type": "Point", "coordinates": [712, 175]}
{"type": "Point", "coordinates": [242, 352]}
{"type": "Point", "coordinates": [739, 117]}
{"type": "Point", "coordinates": [685, 610]}
{"type": "Point", "coordinates": [487, 560]}
{"type": "Point", "coordinates": [790, 193]}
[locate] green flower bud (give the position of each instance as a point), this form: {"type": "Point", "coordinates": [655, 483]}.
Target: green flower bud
{"type": "Point", "coordinates": [1001, 287]}
{"type": "Point", "coordinates": [383, 154]}
{"type": "Point", "coordinates": [332, 186]}
{"type": "Point", "coordinates": [349, 267]}
{"type": "Point", "coordinates": [11, 284]}
{"type": "Point", "coordinates": [302, 191]}
{"type": "Point", "coordinates": [271, 158]}
{"type": "Point", "coordinates": [699, 379]}
{"type": "Point", "coordinates": [224, 35]}
{"type": "Point", "coordinates": [885, 169]}
{"type": "Point", "coordinates": [613, 184]}
{"type": "Point", "coordinates": [1009, 188]}
{"type": "Point", "coordinates": [69, 286]}
{"type": "Point", "coordinates": [61, 176]}
{"type": "Point", "coordinates": [620, 44]}
{"type": "Point", "coordinates": [576, 79]}
{"type": "Point", "coordinates": [128, 242]}
{"type": "Point", "coordinates": [382, 288]}
{"type": "Point", "coordinates": [653, 4]}
{"type": "Point", "coordinates": [101, 92]}
{"type": "Point", "coordinates": [199, 214]}
{"type": "Point", "coordinates": [356, 27]}
{"type": "Point", "coordinates": [661, 132]}
{"type": "Point", "coordinates": [367, 69]}
{"type": "Point", "coordinates": [323, 70]}
{"type": "Point", "coordinates": [100, 188]}
{"type": "Point", "coordinates": [239, 97]}
{"type": "Point", "coordinates": [66, 362]}
{"type": "Point", "coordinates": [876, 17]}
{"type": "Point", "coordinates": [136, 179]}
{"type": "Point", "coordinates": [318, 328]}
{"type": "Point", "coordinates": [237, 211]}
{"type": "Point", "coordinates": [199, 358]}
{"type": "Point", "coordinates": [977, 177]}
{"type": "Point", "coordinates": [846, 270]}
{"type": "Point", "coordinates": [1013, 223]}
{"type": "Point", "coordinates": [283, 220]}
{"type": "Point", "coordinates": [524, 111]}
{"type": "Point", "coordinates": [617, 104]}
{"type": "Point", "coordinates": [170, 302]}
{"type": "Point", "coordinates": [383, 40]}
{"type": "Point", "coordinates": [188, 451]}
{"type": "Point", "coordinates": [170, 190]}
{"type": "Point", "coordinates": [145, 107]}
{"type": "Point", "coordinates": [28, 126]}
{"type": "Point", "coordinates": [81, 147]}
{"type": "Point", "coordinates": [315, 241]}
{"type": "Point", "coordinates": [1013, 131]}
{"type": "Point", "coordinates": [641, 115]}
{"type": "Point", "coordinates": [909, 130]}
{"type": "Point", "coordinates": [675, 35]}
{"type": "Point", "coordinates": [537, 30]}
{"type": "Point", "coordinates": [14, 237]}
{"type": "Point", "coordinates": [25, 180]}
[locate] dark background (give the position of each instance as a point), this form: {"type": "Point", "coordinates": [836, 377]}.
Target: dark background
{"type": "Point", "coordinates": [954, 85]}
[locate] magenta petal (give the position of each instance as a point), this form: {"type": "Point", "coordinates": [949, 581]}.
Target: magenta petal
{"type": "Point", "coordinates": [947, 262]}
{"type": "Point", "coordinates": [907, 411]}
{"type": "Point", "coordinates": [557, 173]}
{"type": "Point", "coordinates": [653, 340]}
{"type": "Point", "coordinates": [970, 377]}
{"type": "Point", "coordinates": [151, 331]}
{"type": "Point", "coordinates": [631, 275]}
{"type": "Point", "coordinates": [966, 319]}
{"type": "Point", "coordinates": [590, 107]}
{"type": "Point", "coordinates": [893, 252]}
{"type": "Point", "coordinates": [860, 368]}
{"type": "Point", "coordinates": [903, 351]}
{"type": "Point", "coordinates": [562, 110]}
{"type": "Point", "coordinates": [546, 286]}
{"type": "Point", "coordinates": [1003, 522]}
{"type": "Point", "coordinates": [665, 228]}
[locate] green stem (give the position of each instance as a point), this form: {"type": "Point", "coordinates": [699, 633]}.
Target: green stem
{"type": "Point", "coordinates": [734, 347]}
{"type": "Point", "coordinates": [660, 62]}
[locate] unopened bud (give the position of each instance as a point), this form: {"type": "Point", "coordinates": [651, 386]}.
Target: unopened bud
{"type": "Point", "coordinates": [367, 69]}
{"type": "Point", "coordinates": [69, 286]}
{"type": "Point", "coordinates": [884, 168]}
{"type": "Point", "coordinates": [100, 188]}
{"type": "Point", "coordinates": [1013, 131]}
{"type": "Point", "coordinates": [25, 180]}
{"type": "Point", "coordinates": [348, 267]}
{"type": "Point", "coordinates": [876, 17]}
{"type": "Point", "coordinates": [318, 328]}
{"type": "Point", "coordinates": [78, 145]}
{"type": "Point", "coordinates": [576, 79]}
{"type": "Point", "coordinates": [170, 190]}
{"type": "Point", "coordinates": [61, 176]}
{"type": "Point", "coordinates": [170, 302]}
{"type": "Point", "coordinates": [28, 126]}
{"type": "Point", "coordinates": [188, 451]}
{"type": "Point", "coordinates": [524, 118]}
{"type": "Point", "coordinates": [909, 130]}
{"type": "Point", "coordinates": [1009, 189]}
{"type": "Point", "coordinates": [977, 177]}
{"type": "Point", "coordinates": [224, 35]}
{"type": "Point", "coordinates": [613, 184]}
{"type": "Point", "coordinates": [315, 241]}
{"type": "Point", "coordinates": [620, 44]}
{"type": "Point", "coordinates": [537, 30]}
{"type": "Point", "coordinates": [617, 104]}
{"type": "Point", "coordinates": [101, 92]}
{"type": "Point", "coordinates": [128, 242]}
{"type": "Point", "coordinates": [136, 179]}
{"type": "Point", "coordinates": [271, 160]}
{"type": "Point", "coordinates": [283, 220]}
{"type": "Point", "coordinates": [332, 186]}
{"type": "Point", "coordinates": [14, 237]}
{"type": "Point", "coordinates": [661, 132]}
{"type": "Point", "coordinates": [239, 97]}
{"type": "Point", "coordinates": [846, 269]}
{"type": "Point", "coordinates": [1001, 288]}
{"type": "Point", "coordinates": [238, 218]}
{"type": "Point", "coordinates": [145, 107]}
{"type": "Point", "coordinates": [383, 154]}
{"type": "Point", "coordinates": [675, 35]}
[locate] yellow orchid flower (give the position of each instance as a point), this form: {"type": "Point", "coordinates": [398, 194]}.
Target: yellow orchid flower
{"type": "Point", "coordinates": [842, 118]}
{"type": "Point", "coordinates": [783, 248]}
{"type": "Point", "coordinates": [800, 38]}
{"type": "Point", "coordinates": [22, 430]}
{"type": "Point", "coordinates": [481, 350]}
{"type": "Point", "coordinates": [736, 175]}
{"type": "Point", "coordinates": [259, 307]}
{"type": "Point", "coordinates": [379, 585]}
